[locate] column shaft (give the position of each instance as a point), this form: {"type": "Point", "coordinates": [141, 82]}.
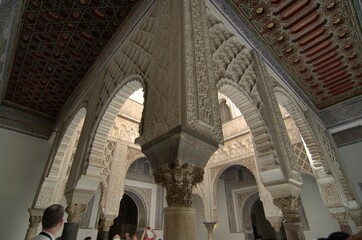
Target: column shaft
{"type": "Point", "coordinates": [210, 228]}
{"type": "Point", "coordinates": [179, 223]}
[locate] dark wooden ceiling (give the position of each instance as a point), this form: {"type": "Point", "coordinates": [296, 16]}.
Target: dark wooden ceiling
{"type": "Point", "coordinates": [318, 42]}
{"type": "Point", "coordinates": [57, 44]}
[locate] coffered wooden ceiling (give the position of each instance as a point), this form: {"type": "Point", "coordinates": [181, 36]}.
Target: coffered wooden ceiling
{"type": "Point", "coordinates": [57, 44]}
{"type": "Point", "coordinates": [317, 43]}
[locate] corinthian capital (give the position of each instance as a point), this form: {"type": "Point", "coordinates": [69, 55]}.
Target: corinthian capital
{"type": "Point", "coordinates": [178, 179]}
{"type": "Point", "coordinates": [290, 207]}
{"type": "Point", "coordinates": [74, 211]}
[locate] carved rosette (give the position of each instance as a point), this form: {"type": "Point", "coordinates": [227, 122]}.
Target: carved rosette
{"type": "Point", "coordinates": [74, 211]}
{"type": "Point", "coordinates": [290, 207]}
{"type": "Point", "coordinates": [179, 180]}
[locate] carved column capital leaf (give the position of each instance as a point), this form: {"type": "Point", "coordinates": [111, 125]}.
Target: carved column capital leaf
{"type": "Point", "coordinates": [74, 211]}
{"type": "Point", "coordinates": [178, 179]}
{"type": "Point", "coordinates": [290, 207]}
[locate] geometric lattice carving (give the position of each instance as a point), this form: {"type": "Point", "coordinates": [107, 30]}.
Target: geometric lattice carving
{"type": "Point", "coordinates": [303, 164]}
{"type": "Point", "coordinates": [108, 159]}
{"type": "Point", "coordinates": [334, 162]}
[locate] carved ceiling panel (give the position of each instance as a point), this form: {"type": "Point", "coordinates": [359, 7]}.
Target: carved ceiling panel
{"type": "Point", "coordinates": [318, 41]}
{"type": "Point", "coordinates": [57, 44]}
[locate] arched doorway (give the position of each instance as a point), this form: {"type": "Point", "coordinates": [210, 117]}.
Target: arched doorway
{"type": "Point", "coordinates": [262, 228]}
{"type": "Point", "coordinates": [127, 218]}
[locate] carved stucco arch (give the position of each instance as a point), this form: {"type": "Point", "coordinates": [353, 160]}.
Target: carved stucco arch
{"type": "Point", "coordinates": [248, 163]}
{"type": "Point", "coordinates": [52, 187]}
{"type": "Point", "coordinates": [121, 93]}
{"type": "Point", "coordinates": [261, 137]}
{"type": "Point", "coordinates": [318, 159]}
{"type": "Point", "coordinates": [143, 203]}
{"type": "Point", "coordinates": [199, 191]}
{"type": "Point", "coordinates": [285, 100]}
{"type": "Point", "coordinates": [247, 206]}
{"type": "Point", "coordinates": [125, 73]}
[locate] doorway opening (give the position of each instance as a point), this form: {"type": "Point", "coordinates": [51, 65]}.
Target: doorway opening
{"type": "Point", "coordinates": [127, 218]}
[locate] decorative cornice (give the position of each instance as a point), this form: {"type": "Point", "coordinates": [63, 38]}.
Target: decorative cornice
{"type": "Point", "coordinates": [25, 123]}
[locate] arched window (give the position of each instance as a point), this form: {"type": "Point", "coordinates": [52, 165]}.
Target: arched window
{"type": "Point", "coordinates": [146, 168]}
{"type": "Point", "coordinates": [225, 113]}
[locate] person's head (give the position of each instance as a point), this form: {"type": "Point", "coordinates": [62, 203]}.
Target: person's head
{"type": "Point", "coordinates": [53, 217]}
{"type": "Point", "coordinates": [134, 237]}
{"type": "Point", "coordinates": [88, 238]}
{"type": "Point", "coordinates": [126, 235]}
{"type": "Point", "coordinates": [338, 236]}
{"type": "Point", "coordinates": [116, 237]}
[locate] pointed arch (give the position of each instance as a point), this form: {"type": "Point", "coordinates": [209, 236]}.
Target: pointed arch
{"type": "Point", "coordinates": [264, 150]}
{"type": "Point", "coordinates": [109, 113]}
{"type": "Point", "coordinates": [287, 102]}
{"type": "Point", "coordinates": [53, 186]}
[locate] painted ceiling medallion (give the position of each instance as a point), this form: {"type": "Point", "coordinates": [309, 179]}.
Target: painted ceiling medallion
{"type": "Point", "coordinates": [321, 38]}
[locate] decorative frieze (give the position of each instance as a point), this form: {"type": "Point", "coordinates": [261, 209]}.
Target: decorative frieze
{"type": "Point", "coordinates": [330, 194]}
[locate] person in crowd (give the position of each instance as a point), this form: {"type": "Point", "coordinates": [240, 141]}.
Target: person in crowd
{"type": "Point", "coordinates": [337, 236]}
{"type": "Point", "coordinates": [134, 237]}
{"type": "Point", "coordinates": [145, 234]}
{"type": "Point", "coordinates": [116, 237]}
{"type": "Point", "coordinates": [357, 236]}
{"type": "Point", "coordinates": [52, 221]}
{"type": "Point", "coordinates": [126, 236]}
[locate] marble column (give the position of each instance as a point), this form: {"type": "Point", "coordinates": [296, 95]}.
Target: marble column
{"type": "Point", "coordinates": [290, 207]}
{"type": "Point", "coordinates": [71, 227]}
{"type": "Point", "coordinates": [34, 221]}
{"type": "Point", "coordinates": [179, 179]}
{"type": "Point", "coordinates": [210, 229]}
{"type": "Point", "coordinates": [342, 218]}
{"type": "Point", "coordinates": [181, 126]}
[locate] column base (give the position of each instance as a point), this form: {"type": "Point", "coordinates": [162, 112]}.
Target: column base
{"type": "Point", "coordinates": [179, 223]}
